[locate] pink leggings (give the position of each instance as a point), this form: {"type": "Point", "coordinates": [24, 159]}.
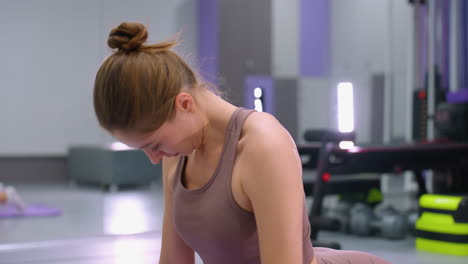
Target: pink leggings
{"type": "Point", "coordinates": [332, 256]}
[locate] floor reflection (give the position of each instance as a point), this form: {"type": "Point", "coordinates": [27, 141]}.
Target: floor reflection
{"type": "Point", "coordinates": [126, 214]}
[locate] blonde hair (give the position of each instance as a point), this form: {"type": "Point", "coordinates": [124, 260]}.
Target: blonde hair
{"type": "Point", "coordinates": [135, 87]}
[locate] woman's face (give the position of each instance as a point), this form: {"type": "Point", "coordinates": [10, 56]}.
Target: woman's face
{"type": "Point", "coordinates": [178, 136]}
{"type": "Point", "coordinates": [171, 139]}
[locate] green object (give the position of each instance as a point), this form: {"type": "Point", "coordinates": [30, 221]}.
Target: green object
{"type": "Point", "coordinates": [443, 224]}
{"type": "Point", "coordinates": [374, 196]}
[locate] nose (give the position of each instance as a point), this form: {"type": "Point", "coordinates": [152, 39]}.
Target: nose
{"type": "Point", "coordinates": [154, 157]}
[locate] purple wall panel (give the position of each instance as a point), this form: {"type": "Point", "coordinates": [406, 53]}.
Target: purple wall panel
{"type": "Point", "coordinates": [460, 96]}
{"type": "Point", "coordinates": [314, 38]}
{"type": "Point", "coordinates": [208, 40]}
{"type": "Point", "coordinates": [267, 84]}
{"type": "Point", "coordinates": [464, 46]}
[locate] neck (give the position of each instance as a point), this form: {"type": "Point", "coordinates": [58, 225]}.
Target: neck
{"type": "Point", "coordinates": [216, 114]}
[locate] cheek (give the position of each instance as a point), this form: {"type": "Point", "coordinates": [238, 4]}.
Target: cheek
{"type": "Point", "coordinates": [179, 143]}
{"type": "Point", "coordinates": [178, 137]}
{"type": "Point", "coordinates": [172, 143]}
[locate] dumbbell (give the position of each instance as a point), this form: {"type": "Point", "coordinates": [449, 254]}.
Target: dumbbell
{"type": "Point", "coordinates": [412, 217]}
{"type": "Point", "coordinates": [391, 224]}
{"type": "Point", "coordinates": [340, 211]}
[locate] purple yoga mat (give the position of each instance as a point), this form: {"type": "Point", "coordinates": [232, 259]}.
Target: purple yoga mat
{"type": "Point", "coordinates": [36, 210]}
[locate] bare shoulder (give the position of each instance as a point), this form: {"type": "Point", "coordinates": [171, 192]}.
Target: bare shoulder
{"type": "Point", "coordinates": [265, 142]}
{"type": "Point", "coordinates": [262, 131]}
{"type": "Point", "coordinates": [268, 160]}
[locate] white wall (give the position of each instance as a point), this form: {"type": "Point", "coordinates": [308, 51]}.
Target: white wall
{"type": "Point", "coordinates": [285, 38]}
{"type": "Point", "coordinates": [50, 51]}
{"type": "Point", "coordinates": [358, 40]}
{"type": "Point", "coordinates": [315, 98]}
{"type": "Point", "coordinates": [367, 37]}
{"type": "Point", "coordinates": [371, 37]}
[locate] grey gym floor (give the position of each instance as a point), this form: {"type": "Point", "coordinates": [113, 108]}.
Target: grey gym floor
{"type": "Point", "coordinates": [98, 227]}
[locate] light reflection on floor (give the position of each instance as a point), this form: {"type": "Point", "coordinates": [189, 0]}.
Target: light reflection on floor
{"type": "Point", "coordinates": [87, 211]}
{"type": "Point", "coordinates": [130, 250]}
{"type": "Point", "coordinates": [125, 215]}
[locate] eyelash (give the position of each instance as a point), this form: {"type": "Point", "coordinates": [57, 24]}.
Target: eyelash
{"type": "Point", "coordinates": [156, 147]}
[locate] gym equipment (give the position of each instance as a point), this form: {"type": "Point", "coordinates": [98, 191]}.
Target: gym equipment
{"type": "Point", "coordinates": [412, 217]}
{"type": "Point", "coordinates": [339, 213]}
{"type": "Point", "coordinates": [443, 224]}
{"type": "Point", "coordinates": [360, 217]}
{"type": "Point", "coordinates": [38, 210]}
{"type": "Point", "coordinates": [326, 139]}
{"type": "Point", "coordinates": [341, 209]}
{"type": "Point", "coordinates": [323, 135]}
{"type": "Point", "coordinates": [327, 223]}
{"type": "Point", "coordinates": [420, 108]}
{"type": "Point", "coordinates": [332, 163]}
{"type": "Point", "coordinates": [390, 224]}
{"type": "Point", "coordinates": [451, 121]}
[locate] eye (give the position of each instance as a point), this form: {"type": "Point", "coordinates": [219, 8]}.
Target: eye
{"type": "Point", "coordinates": [156, 147]}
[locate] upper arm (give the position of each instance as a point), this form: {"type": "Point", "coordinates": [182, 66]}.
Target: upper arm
{"type": "Point", "coordinates": [173, 248]}
{"type": "Point", "coordinates": [273, 183]}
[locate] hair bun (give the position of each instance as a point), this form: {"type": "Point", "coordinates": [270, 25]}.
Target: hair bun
{"type": "Point", "coordinates": [128, 36]}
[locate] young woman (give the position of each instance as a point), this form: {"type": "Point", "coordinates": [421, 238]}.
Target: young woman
{"type": "Point", "coordinates": [232, 177]}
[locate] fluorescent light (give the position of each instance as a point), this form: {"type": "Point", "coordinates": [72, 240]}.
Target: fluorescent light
{"type": "Point", "coordinates": [258, 92]}
{"type": "Point", "coordinates": [346, 144]}
{"type": "Point", "coordinates": [258, 102]}
{"type": "Point", "coordinates": [258, 105]}
{"type": "Point", "coordinates": [345, 107]}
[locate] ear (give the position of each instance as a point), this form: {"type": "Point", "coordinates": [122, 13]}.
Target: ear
{"type": "Point", "coordinates": [184, 101]}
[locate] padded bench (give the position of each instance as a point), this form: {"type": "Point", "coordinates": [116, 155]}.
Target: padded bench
{"type": "Point", "coordinates": [105, 166]}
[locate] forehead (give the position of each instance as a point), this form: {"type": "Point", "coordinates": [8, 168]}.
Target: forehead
{"type": "Point", "coordinates": [133, 138]}
{"type": "Point", "coordinates": [137, 139]}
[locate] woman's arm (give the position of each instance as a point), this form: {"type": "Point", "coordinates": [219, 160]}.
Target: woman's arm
{"type": "Point", "coordinates": [272, 180]}
{"type": "Point", "coordinates": [173, 249]}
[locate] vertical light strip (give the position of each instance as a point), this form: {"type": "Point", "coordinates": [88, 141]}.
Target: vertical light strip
{"type": "Point", "coordinates": [345, 107]}
{"type": "Point", "coordinates": [258, 94]}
